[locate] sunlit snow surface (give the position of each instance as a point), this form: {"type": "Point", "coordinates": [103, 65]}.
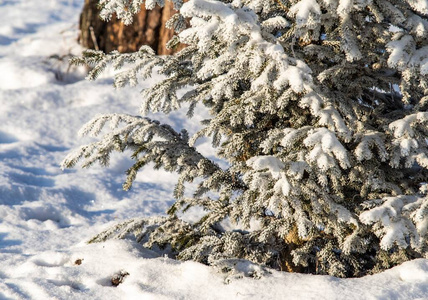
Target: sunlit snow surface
{"type": "Point", "coordinates": [46, 214]}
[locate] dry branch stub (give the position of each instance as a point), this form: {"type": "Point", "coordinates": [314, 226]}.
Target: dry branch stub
{"type": "Point", "coordinates": [118, 278]}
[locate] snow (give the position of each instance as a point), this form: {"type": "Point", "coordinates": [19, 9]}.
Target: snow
{"type": "Point", "coordinates": [345, 6]}
{"type": "Point", "coordinates": [394, 219]}
{"type": "Point", "coordinates": [326, 145]}
{"type": "Point", "coordinates": [303, 9]}
{"type": "Point", "coordinates": [401, 52]}
{"type": "Point", "coordinates": [267, 162]}
{"type": "Point", "coordinates": [275, 167]}
{"type": "Point", "coordinates": [47, 215]}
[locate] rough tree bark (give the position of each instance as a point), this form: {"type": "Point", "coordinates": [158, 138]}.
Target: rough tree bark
{"type": "Point", "coordinates": [148, 28]}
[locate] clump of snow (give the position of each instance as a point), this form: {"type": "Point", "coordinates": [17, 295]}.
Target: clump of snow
{"type": "Point", "coordinates": [267, 162]}
{"type": "Point", "coordinates": [46, 215]}
{"type": "Point", "coordinates": [304, 10]}
{"type": "Point", "coordinates": [327, 149]}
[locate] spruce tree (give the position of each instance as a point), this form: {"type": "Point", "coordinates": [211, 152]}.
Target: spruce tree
{"type": "Point", "coordinates": [319, 107]}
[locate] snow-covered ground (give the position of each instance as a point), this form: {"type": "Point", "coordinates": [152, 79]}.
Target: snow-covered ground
{"type": "Point", "coordinates": [47, 214]}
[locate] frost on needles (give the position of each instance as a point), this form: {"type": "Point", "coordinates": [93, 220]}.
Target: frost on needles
{"type": "Point", "coordinates": [319, 108]}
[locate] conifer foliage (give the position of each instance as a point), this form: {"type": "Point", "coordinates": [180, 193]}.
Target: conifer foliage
{"type": "Point", "coordinates": [319, 107]}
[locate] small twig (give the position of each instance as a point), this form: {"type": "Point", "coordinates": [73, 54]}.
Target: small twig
{"type": "Point", "coordinates": [293, 42]}
{"type": "Point", "coordinates": [94, 39]}
{"type": "Point", "coordinates": [280, 4]}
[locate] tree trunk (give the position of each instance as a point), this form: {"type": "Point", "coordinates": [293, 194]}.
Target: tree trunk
{"type": "Point", "coordinates": [148, 28]}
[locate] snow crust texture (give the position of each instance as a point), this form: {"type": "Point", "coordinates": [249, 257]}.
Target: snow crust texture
{"type": "Point", "coordinates": [85, 272]}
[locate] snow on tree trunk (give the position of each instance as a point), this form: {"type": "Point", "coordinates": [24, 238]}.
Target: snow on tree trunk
{"type": "Point", "coordinates": [147, 28]}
